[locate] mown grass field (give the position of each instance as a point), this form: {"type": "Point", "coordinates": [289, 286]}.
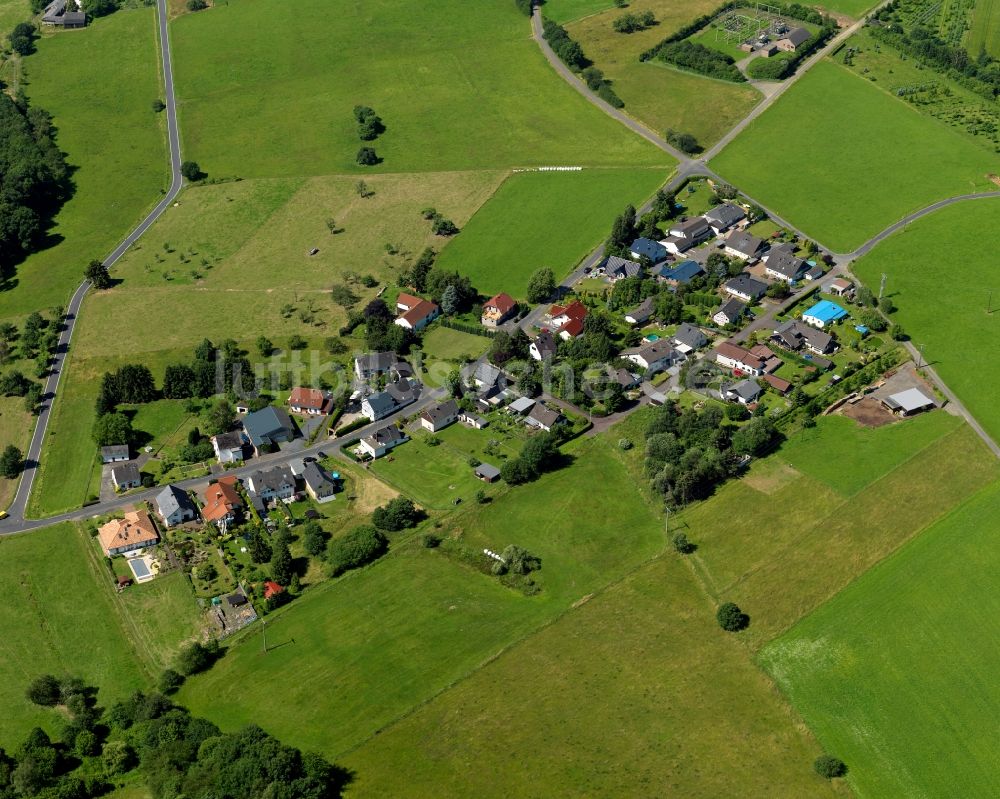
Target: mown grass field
{"type": "Point", "coordinates": [57, 616]}
{"type": "Point", "coordinates": [111, 137]}
{"type": "Point", "coordinates": [896, 674]}
{"type": "Point", "coordinates": [563, 11]}
{"type": "Point", "coordinates": [866, 161]}
{"type": "Point", "coordinates": [287, 110]}
{"type": "Point", "coordinates": [655, 94]}
{"type": "Point", "coordinates": [447, 344]}
{"type": "Point", "coordinates": [368, 648]}
{"type": "Point", "coordinates": [985, 30]}
{"type": "Point", "coordinates": [536, 219]}
{"type": "Point", "coordinates": [851, 8]}
{"type": "Point", "coordinates": [821, 512]}
{"type": "Point", "coordinates": [11, 13]}
{"type": "Point", "coordinates": [635, 693]}
{"type": "Point", "coordinates": [959, 348]}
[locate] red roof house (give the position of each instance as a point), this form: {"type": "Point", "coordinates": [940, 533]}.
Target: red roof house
{"type": "Point", "coordinates": [498, 309]}
{"type": "Point", "coordinates": [311, 401]}
{"type": "Point", "coordinates": [271, 589]}
{"type": "Point", "coordinates": [567, 320]}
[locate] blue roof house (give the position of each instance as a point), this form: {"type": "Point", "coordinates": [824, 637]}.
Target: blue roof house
{"type": "Point", "coordinates": [268, 426]}
{"type": "Point", "coordinates": [647, 248]}
{"type": "Point", "coordinates": [684, 272]}
{"type": "Point", "coordinates": [824, 313]}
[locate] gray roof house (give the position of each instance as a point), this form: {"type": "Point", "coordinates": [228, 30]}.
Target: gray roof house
{"type": "Point", "coordinates": [781, 262]}
{"type": "Point", "coordinates": [543, 417]}
{"type": "Point", "coordinates": [175, 506]}
{"type": "Point", "coordinates": [647, 248]}
{"type": "Point", "coordinates": [794, 335]}
{"type": "Point", "coordinates": [521, 405]}
{"type": "Point", "coordinates": [382, 440]}
{"type": "Point", "coordinates": [724, 216]}
{"type": "Point", "coordinates": [114, 453]}
{"type": "Point", "coordinates": [375, 363]}
{"type": "Point", "coordinates": [616, 268]}
{"type": "Point", "coordinates": [396, 395]}
{"type": "Point", "coordinates": [485, 375]}
{"type": "Point", "coordinates": [794, 39]}
{"type": "Point", "coordinates": [642, 313]}
{"type": "Point", "coordinates": [744, 245]}
{"type": "Point", "coordinates": [745, 287]}
{"type": "Point", "coordinates": [319, 485]}
{"type": "Point", "coordinates": [126, 476]}
{"type": "Point", "coordinates": [687, 337]}
{"type": "Point", "coordinates": [437, 417]}
{"type": "Point", "coordinates": [693, 229]}
{"type": "Point", "coordinates": [229, 446]}
{"type": "Point", "coordinates": [487, 473]}
{"type": "Point", "coordinates": [268, 427]}
{"type": "Point", "coordinates": [653, 355]}
{"type": "Point", "coordinates": [543, 347]}
{"type": "Point", "coordinates": [730, 311]}
{"type": "Point", "coordinates": [745, 392]}
{"type": "Point", "coordinates": [276, 482]}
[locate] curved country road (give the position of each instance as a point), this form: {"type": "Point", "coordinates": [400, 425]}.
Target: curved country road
{"type": "Point", "coordinates": [17, 508]}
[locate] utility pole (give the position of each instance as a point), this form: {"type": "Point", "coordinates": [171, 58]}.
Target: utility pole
{"type": "Point", "coordinates": [989, 303]}
{"type": "Point", "coordinates": [881, 288]}
{"type": "Point", "coordinates": [920, 357]}
{"type": "Point", "coordinates": [263, 632]}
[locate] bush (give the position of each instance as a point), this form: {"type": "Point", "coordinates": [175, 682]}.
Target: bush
{"type": "Point", "coordinates": [431, 541]}
{"type": "Point", "coordinates": [196, 5]}
{"type": "Point", "coordinates": [118, 758]}
{"type": "Point", "coordinates": [170, 681]}
{"type": "Point", "coordinates": [774, 68]}
{"type": "Point", "coordinates": [191, 171]}
{"type": "Point", "coordinates": [44, 690]}
{"type": "Point", "coordinates": [829, 767]}
{"type": "Point", "coordinates": [398, 514]}
{"type": "Point", "coordinates": [197, 657]}
{"type": "Point", "coordinates": [360, 546]}
{"type": "Point", "coordinates": [703, 60]}
{"type": "Point", "coordinates": [731, 618]}
{"type": "Point", "coordinates": [682, 545]}
{"type": "Point", "coordinates": [684, 142]}
{"type": "Point", "coordinates": [367, 157]}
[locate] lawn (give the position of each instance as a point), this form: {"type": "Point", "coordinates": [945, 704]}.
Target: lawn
{"type": "Point", "coordinates": [807, 528]}
{"type": "Point", "coordinates": [563, 11]}
{"type": "Point", "coordinates": [854, 169]}
{"type": "Point", "coordinates": [958, 350]}
{"type": "Point", "coordinates": [653, 93]}
{"type": "Point", "coordinates": [851, 8]}
{"type": "Point", "coordinates": [15, 428]}
{"type": "Point", "coordinates": [710, 37]}
{"type": "Point", "coordinates": [370, 647]}
{"type": "Point", "coordinates": [443, 343]}
{"type": "Point", "coordinates": [111, 137]}
{"type": "Point", "coordinates": [286, 109]}
{"type": "Point", "coordinates": [11, 13]}
{"type": "Point", "coordinates": [437, 475]}
{"type": "Point", "coordinates": [58, 616]}
{"type": "Point", "coordinates": [635, 693]}
{"type": "Point", "coordinates": [985, 31]}
{"type": "Point", "coordinates": [896, 674]}
{"type": "Point", "coordinates": [543, 219]}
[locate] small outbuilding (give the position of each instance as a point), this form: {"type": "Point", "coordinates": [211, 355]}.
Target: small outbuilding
{"type": "Point", "coordinates": [909, 402]}
{"type": "Point", "coordinates": [487, 473]}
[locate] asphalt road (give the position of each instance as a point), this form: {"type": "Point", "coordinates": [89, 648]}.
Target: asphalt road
{"type": "Point", "coordinates": [17, 508]}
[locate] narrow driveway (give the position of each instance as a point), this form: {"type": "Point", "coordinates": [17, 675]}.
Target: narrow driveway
{"type": "Point", "coordinates": [17, 508]}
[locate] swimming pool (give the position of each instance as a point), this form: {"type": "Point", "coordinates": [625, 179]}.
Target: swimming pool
{"type": "Point", "coordinates": [139, 568]}
{"type": "Point", "coordinates": [652, 337]}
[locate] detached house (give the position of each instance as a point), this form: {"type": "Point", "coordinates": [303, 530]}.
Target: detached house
{"type": "Point", "coordinates": [793, 40]}
{"type": "Point", "coordinates": [730, 312]}
{"type": "Point", "coordinates": [175, 506]}
{"type": "Point", "coordinates": [723, 217]}
{"type": "Point", "coordinates": [228, 447]}
{"type": "Point", "coordinates": [310, 401]}
{"type": "Point", "coordinates": [382, 440]}
{"type": "Point", "coordinates": [126, 476]}
{"type": "Point", "coordinates": [745, 287]}
{"type": "Point", "coordinates": [543, 347]}
{"type": "Point", "coordinates": [396, 395]}
{"type": "Point", "coordinates": [824, 313]}
{"type": "Point", "coordinates": [685, 235]}
{"type": "Point", "coordinates": [319, 485]}
{"type": "Point", "coordinates": [734, 357]}
{"type": "Point", "coordinates": [497, 310]}
{"type": "Point", "coordinates": [641, 313]}
{"type": "Point", "coordinates": [267, 428]}
{"type": "Point", "coordinates": [688, 338]}
{"type": "Point", "coordinates": [134, 531]}
{"type": "Point", "coordinates": [782, 263]}
{"type": "Point", "coordinates": [746, 392]}
{"type": "Point", "coordinates": [278, 482]}
{"type": "Point", "coordinates": [743, 245]}
{"type": "Point", "coordinates": [679, 274]}
{"type": "Point", "coordinates": [543, 417]}
{"type": "Point", "coordinates": [114, 454]}
{"type": "Point", "coordinates": [438, 417]}
{"type": "Point", "coordinates": [653, 356]}
{"type": "Point", "coordinates": [375, 364]}
{"type": "Point", "coordinates": [567, 320]}
{"type": "Point", "coordinates": [417, 316]}
{"type": "Point", "coordinates": [223, 503]}
{"type": "Point", "coordinates": [794, 335]}
{"type": "Point", "coordinates": [616, 268]}
{"type": "Point", "coordinates": [647, 248]}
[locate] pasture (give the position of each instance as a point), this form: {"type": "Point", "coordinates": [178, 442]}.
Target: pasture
{"type": "Point", "coordinates": [15, 428]}
{"type": "Point", "coordinates": [262, 92]}
{"type": "Point", "coordinates": [657, 95]}
{"type": "Point", "coordinates": [866, 161]}
{"type": "Point", "coordinates": [636, 692]}
{"type": "Point", "coordinates": [543, 219]}
{"type": "Point", "coordinates": [447, 344]}
{"type": "Point", "coordinates": [959, 349]}
{"type": "Point", "coordinates": [11, 13]}
{"type": "Point", "coordinates": [896, 674]}
{"type": "Point", "coordinates": [985, 30]}
{"type": "Point", "coordinates": [58, 616]}
{"type": "Point", "coordinates": [821, 512]}
{"type": "Point", "coordinates": [563, 11]}
{"type": "Point", "coordinates": [370, 647]}
{"type": "Point", "coordinates": [112, 139]}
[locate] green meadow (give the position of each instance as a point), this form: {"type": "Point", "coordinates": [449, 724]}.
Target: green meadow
{"type": "Point", "coordinates": [655, 94]}
{"type": "Point", "coordinates": [563, 11]}
{"type": "Point", "coordinates": [112, 139]}
{"type": "Point", "coordinates": [896, 674]}
{"type": "Point", "coordinates": [951, 319]}
{"type": "Point", "coordinates": [58, 616]}
{"type": "Point", "coordinates": [543, 219]}
{"type": "Point", "coordinates": [864, 162]}
{"type": "Point", "coordinates": [985, 30]}
{"type": "Point", "coordinates": [265, 91]}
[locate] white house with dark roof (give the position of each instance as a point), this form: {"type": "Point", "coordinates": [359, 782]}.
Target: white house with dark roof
{"type": "Point", "coordinates": [743, 245]}
{"type": "Point", "coordinates": [278, 482]}
{"type": "Point", "coordinates": [396, 395]}
{"type": "Point", "coordinates": [543, 347]}
{"type": "Point", "coordinates": [688, 338]}
{"type": "Point", "coordinates": [781, 262]}
{"type": "Point", "coordinates": [653, 355]}
{"type": "Point", "coordinates": [723, 217]}
{"type": "Point", "coordinates": [745, 287]}
{"type": "Point", "coordinates": [729, 313]}
{"type": "Point", "coordinates": [125, 476]}
{"type": "Point", "coordinates": [228, 447]}
{"type": "Point", "coordinates": [438, 417]}
{"type": "Point", "coordinates": [174, 506]}
{"type": "Point", "coordinates": [377, 444]}
{"type": "Point", "coordinates": [616, 268]}
{"type": "Point", "coordinates": [642, 313]}
{"type": "Point", "coordinates": [114, 453]}
{"type": "Point", "coordinates": [543, 417]}
{"type": "Point", "coordinates": [745, 392]}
